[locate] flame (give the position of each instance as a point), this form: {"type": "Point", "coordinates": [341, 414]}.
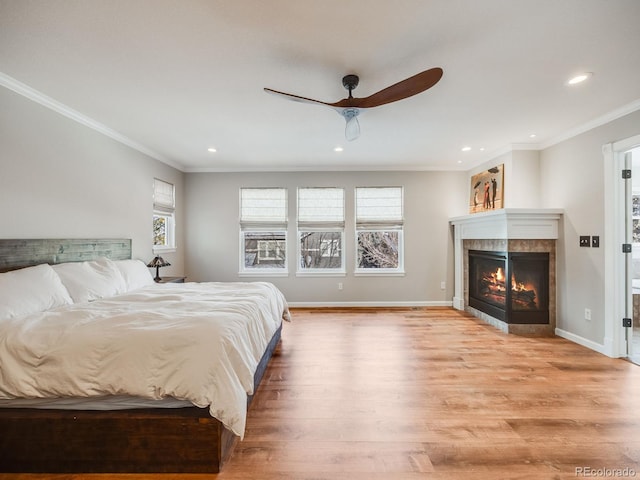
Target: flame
{"type": "Point", "coordinates": [497, 287]}
{"type": "Point", "coordinates": [498, 276]}
{"type": "Point", "coordinates": [521, 287]}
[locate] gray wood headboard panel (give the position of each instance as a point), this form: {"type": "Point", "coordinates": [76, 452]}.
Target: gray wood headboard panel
{"type": "Point", "coordinates": [19, 253]}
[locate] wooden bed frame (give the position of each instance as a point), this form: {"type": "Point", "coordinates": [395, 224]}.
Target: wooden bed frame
{"type": "Point", "coordinates": [162, 440]}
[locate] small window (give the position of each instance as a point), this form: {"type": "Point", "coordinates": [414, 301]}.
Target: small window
{"type": "Point", "coordinates": [320, 230]}
{"type": "Point", "coordinates": [163, 216]}
{"type": "Point", "coordinates": [161, 229]}
{"type": "Point", "coordinates": [263, 230]}
{"type": "Point", "coordinates": [379, 228]}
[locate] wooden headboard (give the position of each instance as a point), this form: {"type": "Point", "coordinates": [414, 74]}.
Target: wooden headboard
{"type": "Point", "coordinates": [20, 253]}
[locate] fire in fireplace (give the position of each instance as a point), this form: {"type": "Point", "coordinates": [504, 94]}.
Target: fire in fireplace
{"type": "Point", "coordinates": [510, 286]}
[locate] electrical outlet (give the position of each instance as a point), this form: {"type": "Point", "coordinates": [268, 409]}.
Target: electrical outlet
{"type": "Point", "coordinates": [587, 314]}
{"type": "Point", "coordinates": [339, 285]}
{"type": "Point", "coordinates": [585, 241]}
{"type": "Point", "coordinates": [443, 285]}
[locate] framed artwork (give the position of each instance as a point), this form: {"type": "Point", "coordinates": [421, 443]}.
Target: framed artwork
{"type": "Point", "coordinates": [487, 190]}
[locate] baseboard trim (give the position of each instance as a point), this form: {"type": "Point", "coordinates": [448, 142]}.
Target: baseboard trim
{"type": "Point", "coordinates": [370, 304]}
{"type": "Point", "coordinates": [458, 303]}
{"type": "Point", "coordinates": [582, 341]}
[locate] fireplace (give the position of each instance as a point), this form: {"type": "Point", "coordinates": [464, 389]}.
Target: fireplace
{"type": "Point", "coordinates": [510, 286]}
{"type": "Point", "coordinates": [512, 240]}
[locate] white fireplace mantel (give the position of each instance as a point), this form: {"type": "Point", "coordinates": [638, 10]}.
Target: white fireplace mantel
{"type": "Point", "coordinates": [509, 224]}
{"type": "Point", "coordinates": [502, 224]}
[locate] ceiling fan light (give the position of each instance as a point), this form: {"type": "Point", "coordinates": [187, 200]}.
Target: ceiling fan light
{"type": "Point", "coordinates": [352, 128]}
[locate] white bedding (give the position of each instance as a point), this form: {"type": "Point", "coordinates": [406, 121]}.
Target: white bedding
{"type": "Point", "coordinates": [199, 342]}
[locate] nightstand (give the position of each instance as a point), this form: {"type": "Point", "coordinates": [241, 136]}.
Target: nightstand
{"type": "Point", "coordinates": [172, 280]}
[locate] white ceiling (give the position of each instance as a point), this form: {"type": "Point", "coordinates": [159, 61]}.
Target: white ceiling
{"type": "Point", "coordinates": [175, 77]}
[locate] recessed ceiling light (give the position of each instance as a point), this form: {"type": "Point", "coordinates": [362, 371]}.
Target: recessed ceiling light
{"type": "Point", "coordinates": [466, 149]}
{"type": "Point", "coordinates": [482, 149]}
{"type": "Point", "coordinates": [579, 78]}
{"type": "Point", "coordinates": [212, 150]}
{"type": "Point", "coordinates": [338, 149]}
{"type": "Point", "coordinates": [459, 161]}
{"type": "Point", "coordinates": [533, 135]}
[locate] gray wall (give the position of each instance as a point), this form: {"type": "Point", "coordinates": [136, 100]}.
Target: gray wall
{"type": "Point", "coordinates": [212, 213]}
{"type": "Point", "coordinates": [60, 179]}
{"type": "Point", "coordinates": [572, 178]}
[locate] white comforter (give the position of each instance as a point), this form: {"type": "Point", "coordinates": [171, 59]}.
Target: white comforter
{"type": "Point", "coordinates": [199, 342]}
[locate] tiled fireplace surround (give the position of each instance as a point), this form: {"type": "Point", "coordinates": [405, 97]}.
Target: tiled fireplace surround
{"type": "Point", "coordinates": [506, 230]}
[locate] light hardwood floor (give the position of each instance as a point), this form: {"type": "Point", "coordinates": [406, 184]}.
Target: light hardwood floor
{"type": "Point", "coordinates": [393, 394]}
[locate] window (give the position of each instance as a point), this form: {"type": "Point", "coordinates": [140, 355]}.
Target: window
{"type": "Point", "coordinates": [263, 230]}
{"type": "Point", "coordinates": [163, 216]}
{"type": "Point", "coordinates": [320, 230]}
{"type": "Point", "coordinates": [269, 250]}
{"type": "Point", "coordinates": [379, 224]}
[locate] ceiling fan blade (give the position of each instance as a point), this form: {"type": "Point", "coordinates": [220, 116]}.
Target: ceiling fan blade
{"type": "Point", "coordinates": [403, 89]}
{"type": "Point", "coordinates": [296, 98]}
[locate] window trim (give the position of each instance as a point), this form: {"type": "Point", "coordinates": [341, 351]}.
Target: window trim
{"type": "Point", "coordinates": [165, 207]}
{"type": "Point", "coordinates": [389, 272]}
{"type": "Point", "coordinates": [170, 245]}
{"type": "Point", "coordinates": [320, 225]}
{"type": "Point", "coordinates": [271, 225]}
{"type": "Point", "coordinates": [262, 272]}
{"type": "Point", "coordinates": [380, 225]}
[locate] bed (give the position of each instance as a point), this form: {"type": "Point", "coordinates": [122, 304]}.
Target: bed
{"type": "Point", "coordinates": [103, 370]}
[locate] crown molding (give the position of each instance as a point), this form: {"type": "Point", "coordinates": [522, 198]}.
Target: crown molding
{"type": "Point", "coordinates": [34, 95]}
{"type": "Point", "coordinates": [330, 168]}
{"type": "Point", "coordinates": [596, 122]}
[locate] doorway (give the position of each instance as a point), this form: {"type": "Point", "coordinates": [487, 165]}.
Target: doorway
{"type": "Point", "coordinates": [632, 162]}
{"type": "Point", "coordinates": [621, 269]}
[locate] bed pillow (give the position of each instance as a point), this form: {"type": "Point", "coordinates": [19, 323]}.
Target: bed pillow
{"type": "Point", "coordinates": [30, 290]}
{"type": "Point", "coordinates": [91, 280]}
{"type": "Point", "coordinates": [135, 274]}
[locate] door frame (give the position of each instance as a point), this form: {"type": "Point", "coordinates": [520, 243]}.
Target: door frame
{"type": "Point", "coordinates": [615, 271]}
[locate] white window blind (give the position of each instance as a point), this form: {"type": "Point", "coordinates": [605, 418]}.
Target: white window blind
{"type": "Point", "coordinates": [263, 208]}
{"type": "Point", "coordinates": [320, 207]}
{"type": "Point", "coordinates": [379, 207]}
{"type": "Point", "coordinates": [163, 195]}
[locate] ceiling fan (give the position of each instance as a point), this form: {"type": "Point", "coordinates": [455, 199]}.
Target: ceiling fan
{"type": "Point", "coordinates": [350, 107]}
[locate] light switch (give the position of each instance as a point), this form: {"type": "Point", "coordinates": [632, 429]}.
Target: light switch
{"type": "Point", "coordinates": [585, 241]}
